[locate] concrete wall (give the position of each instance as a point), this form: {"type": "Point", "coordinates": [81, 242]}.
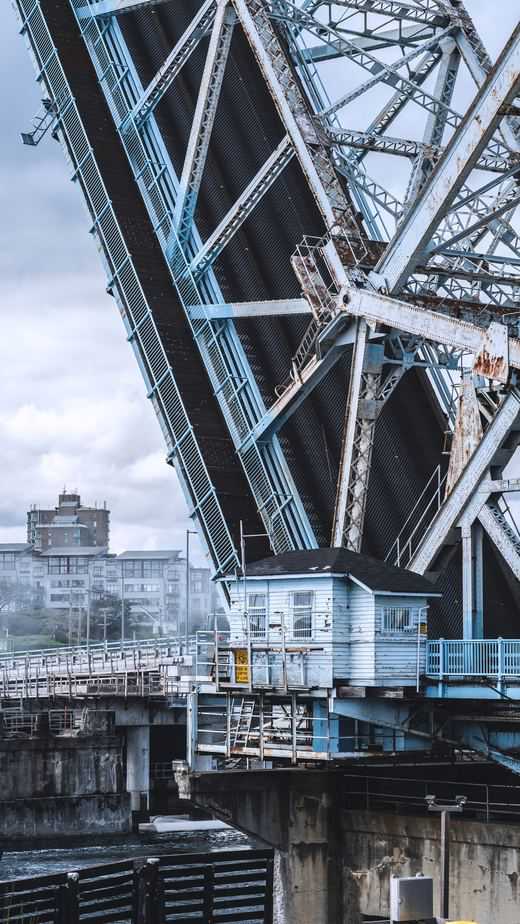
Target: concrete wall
{"type": "Point", "coordinates": [64, 785]}
{"type": "Point", "coordinates": [334, 865]}
{"type": "Point", "coordinates": [33, 819]}
{"type": "Point", "coordinates": [484, 869]}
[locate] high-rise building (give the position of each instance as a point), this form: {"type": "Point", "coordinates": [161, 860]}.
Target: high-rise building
{"type": "Point", "coordinates": [69, 524]}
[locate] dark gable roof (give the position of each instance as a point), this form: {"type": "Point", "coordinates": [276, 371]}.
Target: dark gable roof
{"type": "Point", "coordinates": [374, 574]}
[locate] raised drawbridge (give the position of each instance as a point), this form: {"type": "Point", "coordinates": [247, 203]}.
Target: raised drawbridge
{"type": "Point", "coordinates": [308, 215]}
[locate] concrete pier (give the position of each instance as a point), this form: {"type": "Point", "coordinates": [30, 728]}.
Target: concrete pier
{"type": "Point", "coordinates": [138, 767]}
{"type": "Point", "coordinates": [334, 864]}
{"type": "Point", "coordinates": [61, 786]}
{"type": "Point", "coordinates": [298, 813]}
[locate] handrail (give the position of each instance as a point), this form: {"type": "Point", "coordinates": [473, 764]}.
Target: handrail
{"type": "Point", "coordinates": [398, 544]}
{"type": "Point", "coordinates": [92, 648]}
{"type": "Point", "coordinates": [495, 658]}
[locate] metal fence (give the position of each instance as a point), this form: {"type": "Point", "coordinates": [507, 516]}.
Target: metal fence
{"type": "Point", "coordinates": [200, 888]}
{"type": "Point", "coordinates": [485, 801]}
{"type": "Point", "coordinates": [498, 658]}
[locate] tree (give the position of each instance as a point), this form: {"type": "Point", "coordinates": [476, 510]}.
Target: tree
{"type": "Point", "coordinates": [105, 618]}
{"type": "Point", "coordinates": [21, 599]}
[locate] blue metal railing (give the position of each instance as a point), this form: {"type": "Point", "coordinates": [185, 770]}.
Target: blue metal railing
{"type": "Point", "coordinates": [459, 658]}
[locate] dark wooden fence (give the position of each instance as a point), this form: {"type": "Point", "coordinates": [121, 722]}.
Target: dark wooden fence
{"type": "Point", "coordinates": [217, 888]}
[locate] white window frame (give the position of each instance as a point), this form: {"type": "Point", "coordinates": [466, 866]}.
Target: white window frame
{"type": "Point", "coordinates": [257, 614]}
{"type": "Point", "coordinates": [398, 620]}
{"type": "Point", "coordinates": [301, 611]}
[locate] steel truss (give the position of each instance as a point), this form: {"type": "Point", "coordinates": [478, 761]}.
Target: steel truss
{"type": "Point", "coordinates": [435, 262]}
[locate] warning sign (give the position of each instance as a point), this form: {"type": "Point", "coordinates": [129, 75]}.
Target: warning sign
{"type": "Point", "coordinates": [241, 666]}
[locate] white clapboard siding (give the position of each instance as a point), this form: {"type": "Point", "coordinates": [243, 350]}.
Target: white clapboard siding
{"type": "Point", "coordinates": [396, 652]}
{"type": "Point", "coordinates": [279, 594]}
{"type": "Point", "coordinates": [362, 636]}
{"type": "Point", "coordinates": [341, 629]}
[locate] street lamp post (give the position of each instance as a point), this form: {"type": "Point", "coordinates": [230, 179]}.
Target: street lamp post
{"type": "Point", "coordinates": [122, 602]}
{"type": "Point", "coordinates": [189, 532]}
{"type": "Point", "coordinates": [445, 809]}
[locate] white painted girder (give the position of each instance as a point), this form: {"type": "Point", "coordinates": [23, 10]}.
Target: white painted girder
{"type": "Point", "coordinates": [347, 445]}
{"type": "Point", "coordinates": [500, 539]}
{"type": "Point", "coordinates": [432, 325]}
{"type": "Point", "coordinates": [459, 158]}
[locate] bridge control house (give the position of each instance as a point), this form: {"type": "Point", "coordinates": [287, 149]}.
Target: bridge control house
{"type": "Point", "coordinates": [315, 619]}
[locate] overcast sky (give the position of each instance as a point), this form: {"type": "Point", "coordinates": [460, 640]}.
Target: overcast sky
{"type": "Point", "coordinates": [73, 411]}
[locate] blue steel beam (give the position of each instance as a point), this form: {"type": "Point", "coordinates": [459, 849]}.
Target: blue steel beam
{"type": "Point", "coordinates": [371, 41]}
{"type": "Point", "coordinates": [161, 83]}
{"type": "Point", "coordinates": [298, 390]}
{"type": "Point", "coordinates": [510, 202]}
{"type": "Point", "coordinates": [240, 310]}
{"type": "Point", "coordinates": [242, 208]}
{"type": "Point", "coordinates": [397, 10]}
{"type": "Point", "coordinates": [228, 369]}
{"type": "Point", "coordinates": [389, 74]}
{"type": "Point", "coordinates": [203, 119]}
{"type": "Point", "coordinates": [115, 7]}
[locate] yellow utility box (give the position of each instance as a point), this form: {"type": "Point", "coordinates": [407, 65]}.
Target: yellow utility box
{"type": "Point", "coordinates": [241, 666]}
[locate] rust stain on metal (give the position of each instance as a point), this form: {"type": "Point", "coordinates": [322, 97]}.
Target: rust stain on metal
{"type": "Point", "coordinates": [492, 367]}
{"type": "Point", "coordinates": [493, 359]}
{"type": "Point", "coordinates": [467, 432]}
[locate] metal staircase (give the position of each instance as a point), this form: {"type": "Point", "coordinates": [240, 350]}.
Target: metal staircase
{"type": "Point", "coordinates": [495, 450]}
{"type": "Point", "coordinates": [431, 499]}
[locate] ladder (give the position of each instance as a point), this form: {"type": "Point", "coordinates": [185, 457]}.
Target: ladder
{"type": "Point", "coordinates": [244, 720]}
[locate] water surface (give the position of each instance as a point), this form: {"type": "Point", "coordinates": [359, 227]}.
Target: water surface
{"type": "Point", "coordinates": [41, 860]}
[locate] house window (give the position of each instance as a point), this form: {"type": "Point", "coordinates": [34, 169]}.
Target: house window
{"type": "Point", "coordinates": [257, 609]}
{"type": "Point", "coordinates": [397, 619]}
{"type": "Point", "coordinates": [302, 614]}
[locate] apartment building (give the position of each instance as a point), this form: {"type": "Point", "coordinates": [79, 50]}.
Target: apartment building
{"type": "Point", "coordinates": [69, 524]}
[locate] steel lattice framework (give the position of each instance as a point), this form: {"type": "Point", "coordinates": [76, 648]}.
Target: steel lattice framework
{"type": "Point", "coordinates": [308, 214]}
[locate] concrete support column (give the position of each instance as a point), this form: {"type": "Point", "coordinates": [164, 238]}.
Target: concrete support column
{"type": "Point", "coordinates": [300, 815]}
{"type": "Point", "coordinates": [138, 766]}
